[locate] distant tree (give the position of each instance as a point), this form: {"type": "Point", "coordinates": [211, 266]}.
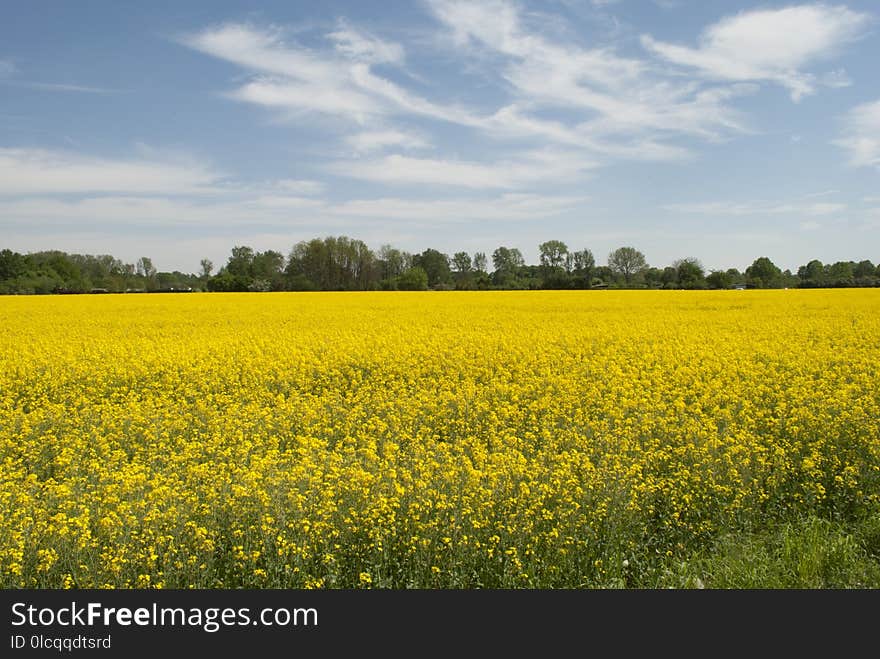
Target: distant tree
{"type": "Point", "coordinates": [414, 279]}
{"type": "Point", "coordinates": [507, 261]}
{"type": "Point", "coordinates": [436, 266]}
{"type": "Point", "coordinates": [812, 274]}
{"type": "Point", "coordinates": [583, 266]}
{"type": "Point", "coordinates": [603, 275]}
{"type": "Point", "coordinates": [840, 274]}
{"type": "Point", "coordinates": [461, 263]}
{"type": "Point", "coordinates": [463, 270]}
{"type": "Point", "coordinates": [145, 267]}
{"type": "Point", "coordinates": [669, 277]}
{"type": "Point", "coordinates": [267, 271]}
{"type": "Point", "coordinates": [690, 273]}
{"type": "Point", "coordinates": [206, 267]}
{"type": "Point", "coordinates": [719, 279]}
{"type": "Point", "coordinates": [763, 273]}
{"type": "Point", "coordinates": [627, 262]}
{"type": "Point", "coordinates": [393, 262]}
{"type": "Point", "coordinates": [241, 261]}
{"type": "Point", "coordinates": [553, 254]}
{"type": "Point", "coordinates": [864, 269]}
{"type": "Point", "coordinates": [480, 262]}
{"type": "Point", "coordinates": [335, 263]}
{"type": "Point", "coordinates": [12, 264]}
{"type": "Point", "coordinates": [653, 277]}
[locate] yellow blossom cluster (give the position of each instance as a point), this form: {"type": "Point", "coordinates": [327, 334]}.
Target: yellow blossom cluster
{"type": "Point", "coordinates": [392, 440]}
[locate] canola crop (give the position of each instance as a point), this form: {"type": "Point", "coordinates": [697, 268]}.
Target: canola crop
{"type": "Point", "coordinates": [529, 439]}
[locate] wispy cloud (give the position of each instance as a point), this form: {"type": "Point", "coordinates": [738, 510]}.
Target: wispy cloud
{"type": "Point", "coordinates": [770, 45]}
{"type": "Point", "coordinates": [9, 70]}
{"type": "Point", "coordinates": [615, 107]}
{"type": "Point", "coordinates": [59, 87]}
{"type": "Point", "coordinates": [361, 46]}
{"type": "Point", "coordinates": [510, 206]}
{"type": "Point", "coordinates": [730, 208]}
{"type": "Point", "coordinates": [278, 212]}
{"type": "Point", "coordinates": [375, 140]}
{"type": "Point", "coordinates": [340, 82]}
{"type": "Point", "coordinates": [861, 135]}
{"type": "Point", "coordinates": [528, 168]}
{"type": "Point", "coordinates": [41, 171]}
{"type": "Point", "coordinates": [300, 186]}
{"type": "Point", "coordinates": [617, 96]}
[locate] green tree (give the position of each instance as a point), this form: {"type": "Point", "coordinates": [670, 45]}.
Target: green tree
{"type": "Point", "coordinates": [864, 269]}
{"type": "Point", "coordinates": [267, 268]}
{"type": "Point", "coordinates": [393, 262]}
{"type": "Point", "coordinates": [12, 264]}
{"type": "Point", "coordinates": [480, 262]}
{"type": "Point", "coordinates": [627, 262]}
{"type": "Point", "coordinates": [241, 261]}
{"type": "Point", "coordinates": [583, 266]}
{"type": "Point", "coordinates": [812, 274]}
{"type": "Point", "coordinates": [414, 279]}
{"type": "Point", "coordinates": [436, 266]}
{"type": "Point", "coordinates": [146, 270]}
{"type": "Point", "coordinates": [689, 273]}
{"type": "Point", "coordinates": [507, 261]}
{"type": "Point", "coordinates": [461, 263]}
{"type": "Point", "coordinates": [553, 254]}
{"type": "Point", "coordinates": [763, 273]}
{"type": "Point", "coordinates": [840, 274]}
{"type": "Point", "coordinates": [719, 279]}
{"type": "Point", "coordinates": [463, 270]}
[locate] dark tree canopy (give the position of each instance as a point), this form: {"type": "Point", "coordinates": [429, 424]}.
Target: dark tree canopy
{"type": "Point", "coordinates": [627, 262]}
{"type": "Point", "coordinates": [341, 263]}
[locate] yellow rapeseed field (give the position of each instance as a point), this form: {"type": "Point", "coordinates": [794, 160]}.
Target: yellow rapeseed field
{"type": "Point", "coordinates": [436, 439]}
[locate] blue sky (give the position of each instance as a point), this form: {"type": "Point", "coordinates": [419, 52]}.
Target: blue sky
{"type": "Point", "coordinates": [176, 130]}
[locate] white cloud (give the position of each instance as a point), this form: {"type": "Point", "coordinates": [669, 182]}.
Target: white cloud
{"type": "Point", "coordinates": [39, 171]}
{"type": "Point", "coordinates": [318, 96]}
{"type": "Point", "coordinates": [61, 87]}
{"type": "Point", "coordinates": [771, 45]}
{"type": "Point", "coordinates": [298, 186]}
{"type": "Point", "coordinates": [361, 46]}
{"type": "Point", "coordinates": [366, 141]}
{"type": "Point", "coordinates": [128, 213]}
{"type": "Point", "coordinates": [756, 208]}
{"type": "Point", "coordinates": [618, 107]}
{"type": "Point", "coordinates": [861, 135]}
{"type": "Point", "coordinates": [340, 83]}
{"type": "Point", "coordinates": [511, 206]}
{"type": "Point", "coordinates": [836, 79]}
{"type": "Point", "coordinates": [538, 166]}
{"type": "Point", "coordinates": [287, 202]}
{"type": "Point", "coordinates": [617, 96]}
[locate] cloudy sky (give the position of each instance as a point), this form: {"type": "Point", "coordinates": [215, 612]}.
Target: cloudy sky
{"type": "Point", "coordinates": [715, 129]}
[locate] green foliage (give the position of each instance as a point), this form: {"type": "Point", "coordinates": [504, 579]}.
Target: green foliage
{"type": "Point", "coordinates": [811, 553]}
{"type": "Point", "coordinates": [628, 263]}
{"type": "Point", "coordinates": [436, 265]}
{"type": "Point", "coordinates": [340, 263]}
{"type": "Point", "coordinates": [763, 273]}
{"type": "Point", "coordinates": [718, 279]}
{"type": "Point", "coordinates": [689, 273]}
{"type": "Point", "coordinates": [414, 279]}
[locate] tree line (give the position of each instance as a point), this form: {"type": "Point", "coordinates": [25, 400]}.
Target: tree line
{"type": "Point", "coordinates": [340, 263]}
